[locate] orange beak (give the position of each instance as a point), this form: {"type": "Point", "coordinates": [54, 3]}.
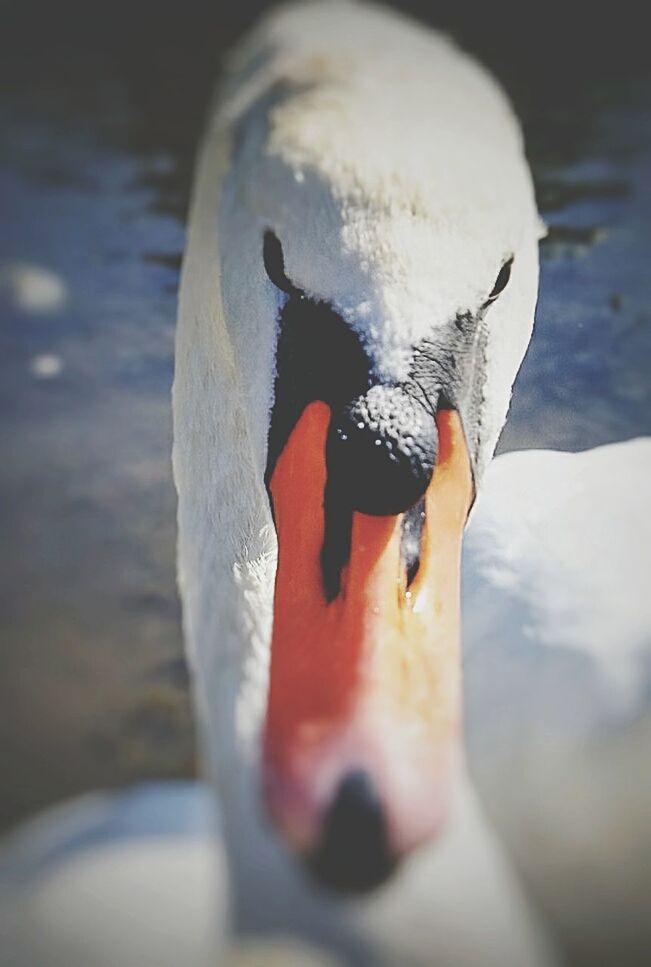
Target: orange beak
{"type": "Point", "coordinates": [365, 691]}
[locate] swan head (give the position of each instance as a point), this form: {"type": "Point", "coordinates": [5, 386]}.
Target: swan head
{"type": "Point", "coordinates": [377, 274]}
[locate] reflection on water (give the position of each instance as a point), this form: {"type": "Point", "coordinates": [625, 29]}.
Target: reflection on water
{"type": "Point", "coordinates": [97, 127]}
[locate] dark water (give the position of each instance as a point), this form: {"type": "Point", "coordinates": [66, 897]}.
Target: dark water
{"type": "Point", "coordinates": [99, 115]}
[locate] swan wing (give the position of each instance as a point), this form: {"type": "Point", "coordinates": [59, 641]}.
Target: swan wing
{"type": "Point", "coordinates": [557, 642]}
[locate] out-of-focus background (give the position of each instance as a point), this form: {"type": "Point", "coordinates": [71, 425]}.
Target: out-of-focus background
{"type": "Point", "coordinates": [101, 107]}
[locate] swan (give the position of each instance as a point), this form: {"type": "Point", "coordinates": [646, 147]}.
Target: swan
{"type": "Point", "coordinates": [407, 252]}
{"type": "Point", "coordinates": [357, 294]}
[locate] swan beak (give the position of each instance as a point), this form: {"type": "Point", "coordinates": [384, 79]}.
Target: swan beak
{"type": "Point", "coordinates": [364, 704]}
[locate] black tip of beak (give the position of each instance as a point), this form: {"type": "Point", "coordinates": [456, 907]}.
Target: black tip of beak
{"type": "Point", "coordinates": [353, 855]}
{"type": "Point", "coordinates": [382, 451]}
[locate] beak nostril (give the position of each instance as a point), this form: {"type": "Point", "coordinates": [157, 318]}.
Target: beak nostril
{"type": "Point", "coordinates": [353, 855]}
{"type": "Point", "coordinates": [411, 538]}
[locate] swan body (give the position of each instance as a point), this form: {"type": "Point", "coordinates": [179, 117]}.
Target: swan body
{"type": "Point", "coordinates": [557, 642]}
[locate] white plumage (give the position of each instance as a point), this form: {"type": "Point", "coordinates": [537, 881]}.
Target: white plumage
{"type": "Point", "coordinates": [133, 878]}
{"type": "Point", "coordinates": [557, 643]}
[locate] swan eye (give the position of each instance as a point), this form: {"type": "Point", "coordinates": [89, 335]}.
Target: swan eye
{"type": "Point", "coordinates": [274, 262]}
{"type": "Point", "coordinates": [501, 281]}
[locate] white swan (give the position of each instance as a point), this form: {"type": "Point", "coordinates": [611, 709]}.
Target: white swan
{"type": "Point", "coordinates": [399, 226]}
{"type": "Point", "coordinates": [361, 272]}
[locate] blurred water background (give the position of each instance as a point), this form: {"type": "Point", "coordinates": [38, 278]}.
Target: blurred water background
{"type": "Point", "coordinates": [101, 107]}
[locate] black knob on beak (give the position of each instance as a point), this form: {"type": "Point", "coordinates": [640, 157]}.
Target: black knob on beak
{"type": "Point", "coordinates": [353, 855]}
{"type": "Point", "coordinates": [382, 451]}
